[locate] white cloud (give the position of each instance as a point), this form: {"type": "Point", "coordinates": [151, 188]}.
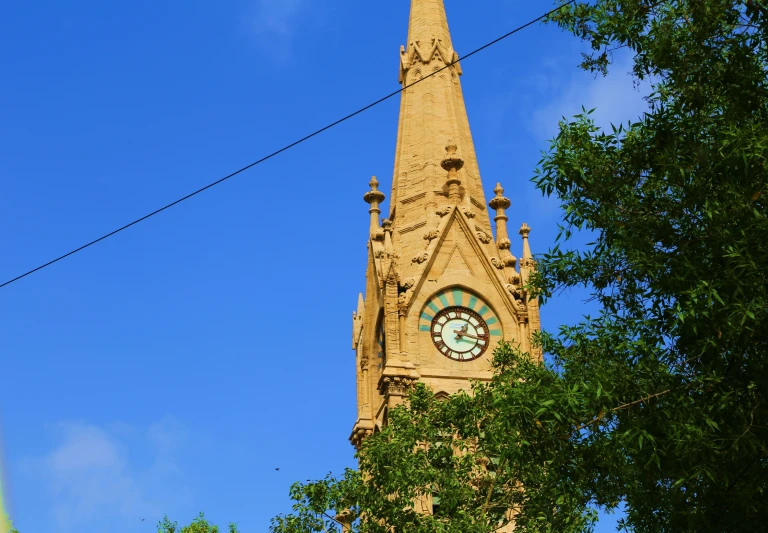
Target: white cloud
{"type": "Point", "coordinates": [559, 89]}
{"type": "Point", "coordinates": [91, 478]}
{"type": "Point", "coordinates": [614, 98]}
{"type": "Point", "coordinates": [273, 24]}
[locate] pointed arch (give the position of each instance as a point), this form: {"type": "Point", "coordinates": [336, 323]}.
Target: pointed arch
{"type": "Point", "coordinates": [442, 396]}
{"type": "Point", "coordinates": [459, 296]}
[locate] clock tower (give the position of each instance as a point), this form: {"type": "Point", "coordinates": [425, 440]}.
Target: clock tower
{"type": "Point", "coordinates": [441, 291]}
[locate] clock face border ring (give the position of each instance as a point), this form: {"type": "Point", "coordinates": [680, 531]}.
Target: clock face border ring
{"type": "Point", "coordinates": [473, 314]}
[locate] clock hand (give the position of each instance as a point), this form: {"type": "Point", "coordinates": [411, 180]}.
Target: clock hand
{"type": "Point", "coordinates": [460, 334]}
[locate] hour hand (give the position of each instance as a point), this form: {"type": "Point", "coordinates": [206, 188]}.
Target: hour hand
{"type": "Point", "coordinates": [461, 333]}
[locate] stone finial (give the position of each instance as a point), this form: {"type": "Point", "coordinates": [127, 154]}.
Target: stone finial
{"type": "Point", "coordinates": [499, 202]}
{"type": "Point", "coordinates": [527, 260]}
{"type": "Point", "coordinates": [374, 197]}
{"type": "Point", "coordinates": [453, 163]}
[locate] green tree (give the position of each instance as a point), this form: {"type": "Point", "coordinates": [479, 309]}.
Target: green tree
{"type": "Point", "coordinates": [473, 452]}
{"type": "Point", "coordinates": [660, 402]}
{"type": "Point", "coordinates": [198, 525]}
{"type": "Point", "coordinates": [678, 264]}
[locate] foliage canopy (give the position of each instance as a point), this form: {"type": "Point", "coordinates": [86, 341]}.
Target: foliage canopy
{"type": "Point", "coordinates": [198, 525]}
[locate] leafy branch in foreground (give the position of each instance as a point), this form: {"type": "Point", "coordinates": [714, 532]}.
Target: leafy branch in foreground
{"type": "Point", "coordinates": [467, 458]}
{"type": "Point", "coordinates": [515, 449]}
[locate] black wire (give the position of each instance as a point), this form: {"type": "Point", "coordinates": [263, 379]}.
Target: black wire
{"type": "Point", "coordinates": [273, 154]}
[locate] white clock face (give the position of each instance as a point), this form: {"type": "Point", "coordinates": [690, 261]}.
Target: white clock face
{"type": "Point", "coordinates": [460, 324]}
{"type": "Point", "coordinates": [460, 334]}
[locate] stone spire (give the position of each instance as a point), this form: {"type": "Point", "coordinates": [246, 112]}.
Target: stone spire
{"type": "Point", "coordinates": [433, 131]}
{"type": "Point", "coordinates": [428, 21]}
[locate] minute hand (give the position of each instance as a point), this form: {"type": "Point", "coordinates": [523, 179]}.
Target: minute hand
{"type": "Point", "coordinates": [462, 334]}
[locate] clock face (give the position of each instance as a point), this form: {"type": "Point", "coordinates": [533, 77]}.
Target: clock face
{"type": "Point", "coordinates": [461, 326]}
{"type": "Point", "coordinates": [460, 334]}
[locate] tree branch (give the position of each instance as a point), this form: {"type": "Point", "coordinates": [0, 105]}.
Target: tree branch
{"type": "Point", "coordinates": [623, 407]}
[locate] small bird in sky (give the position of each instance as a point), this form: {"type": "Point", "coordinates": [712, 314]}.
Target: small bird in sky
{"type": "Point", "coordinates": [142, 519]}
{"type": "Point", "coordinates": [277, 469]}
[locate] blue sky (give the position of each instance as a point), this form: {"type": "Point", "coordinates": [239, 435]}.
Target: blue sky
{"type": "Point", "coordinates": [172, 368]}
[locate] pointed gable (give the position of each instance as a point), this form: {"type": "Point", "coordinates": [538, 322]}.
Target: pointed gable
{"type": "Point", "coordinates": [460, 252]}
{"type": "Point", "coordinates": [455, 264]}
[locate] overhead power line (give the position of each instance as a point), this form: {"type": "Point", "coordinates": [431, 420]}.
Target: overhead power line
{"type": "Point", "coordinates": [281, 150]}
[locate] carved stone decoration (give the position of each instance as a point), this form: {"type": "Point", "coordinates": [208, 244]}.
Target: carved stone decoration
{"type": "Point", "coordinates": [374, 197]}
{"type": "Point", "coordinates": [408, 284]}
{"type": "Point", "coordinates": [396, 385]}
{"type": "Point", "coordinates": [498, 263]}
{"type": "Point", "coordinates": [515, 291]}
{"type": "Point", "coordinates": [359, 435]}
{"type": "Point", "coordinates": [431, 235]}
{"type": "Point", "coordinates": [483, 237]}
{"type": "Point", "coordinates": [378, 254]}
{"type": "Point", "coordinates": [499, 202]}
{"type": "Point", "coordinates": [402, 300]}
{"type": "Point", "coordinates": [514, 279]}
{"type": "Point", "coordinates": [468, 212]}
{"type": "Point", "coordinates": [452, 163]}
{"type": "Point", "coordinates": [510, 260]}
{"type": "Point", "coordinates": [421, 258]}
{"type": "Point", "coordinates": [452, 160]}
{"type": "Point", "coordinates": [377, 234]}
{"type": "Point", "coordinates": [445, 210]}
{"type": "Point", "coordinates": [364, 364]}
{"type": "Point", "coordinates": [527, 261]}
